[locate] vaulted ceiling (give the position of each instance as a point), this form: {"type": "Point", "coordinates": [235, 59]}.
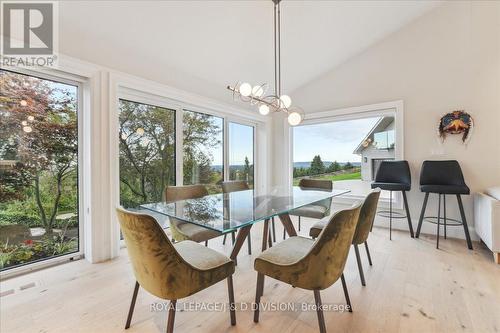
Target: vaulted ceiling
{"type": "Point", "coordinates": [202, 46]}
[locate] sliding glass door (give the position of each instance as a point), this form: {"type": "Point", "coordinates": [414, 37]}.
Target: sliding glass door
{"type": "Point", "coordinates": [39, 214]}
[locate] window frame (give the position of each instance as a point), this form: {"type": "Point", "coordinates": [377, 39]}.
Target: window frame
{"type": "Point", "coordinates": [81, 84]}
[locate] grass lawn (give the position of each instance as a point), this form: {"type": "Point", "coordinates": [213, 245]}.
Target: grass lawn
{"type": "Point", "coordinates": [344, 176]}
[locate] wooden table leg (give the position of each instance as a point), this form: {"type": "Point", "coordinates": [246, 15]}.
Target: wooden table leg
{"type": "Point", "coordinates": [265, 235]}
{"type": "Point", "coordinates": [240, 240]}
{"type": "Point", "coordinates": [288, 225]}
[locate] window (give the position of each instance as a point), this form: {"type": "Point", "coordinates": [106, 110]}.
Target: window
{"type": "Point", "coordinates": [347, 152]}
{"type": "Point", "coordinates": [203, 161]}
{"type": "Point", "coordinates": [39, 215]}
{"type": "Point", "coordinates": [147, 152]}
{"type": "Point", "coordinates": [241, 152]}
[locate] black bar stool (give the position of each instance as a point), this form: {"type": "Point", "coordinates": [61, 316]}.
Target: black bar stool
{"type": "Point", "coordinates": [394, 176]}
{"type": "Point", "coordinates": [442, 178]}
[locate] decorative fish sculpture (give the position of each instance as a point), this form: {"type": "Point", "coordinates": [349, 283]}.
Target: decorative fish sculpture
{"type": "Point", "coordinates": [456, 122]}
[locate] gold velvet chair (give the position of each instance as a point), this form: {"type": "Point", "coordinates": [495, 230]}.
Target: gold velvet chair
{"type": "Point", "coordinates": [316, 210]}
{"type": "Point", "coordinates": [363, 227]}
{"type": "Point", "coordinates": [310, 264]}
{"type": "Point", "coordinates": [170, 271]}
{"type": "Point", "coordinates": [188, 231]}
{"type": "Point", "coordinates": [235, 186]}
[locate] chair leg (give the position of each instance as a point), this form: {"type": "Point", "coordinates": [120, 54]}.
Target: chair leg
{"type": "Point", "coordinates": [299, 223]}
{"type": "Point", "coordinates": [421, 219]}
{"type": "Point", "coordinates": [390, 216]}
{"type": "Point", "coordinates": [464, 222]}
{"type": "Point", "coordinates": [230, 290]}
{"type": "Point", "coordinates": [439, 220]}
{"type": "Point", "coordinates": [206, 243]}
{"type": "Point", "coordinates": [368, 254]}
{"type": "Point", "coordinates": [258, 293]}
{"type": "Point", "coordinates": [249, 241]}
{"type": "Point", "coordinates": [171, 316]}
{"type": "Point", "coordinates": [319, 311]}
{"type": "Point", "coordinates": [444, 214]}
{"type": "Point", "coordinates": [408, 217]}
{"type": "Point", "coordinates": [360, 266]}
{"type": "Point", "coordinates": [233, 236]}
{"type": "Point", "coordinates": [346, 293]}
{"type": "Point", "coordinates": [284, 233]}
{"type": "Point", "coordinates": [274, 230]}
{"type": "Point", "coordinates": [132, 305]}
{"type": "Point", "coordinates": [224, 240]}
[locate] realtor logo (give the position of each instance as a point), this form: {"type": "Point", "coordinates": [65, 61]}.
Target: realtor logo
{"type": "Point", "coordinates": [29, 33]}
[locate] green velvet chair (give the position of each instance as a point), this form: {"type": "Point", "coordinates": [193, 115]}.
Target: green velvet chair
{"type": "Point", "coordinates": [363, 227]}
{"type": "Point", "coordinates": [316, 210]}
{"type": "Point", "coordinates": [310, 264]}
{"type": "Point", "coordinates": [183, 230]}
{"type": "Point", "coordinates": [170, 271]}
{"type": "Point", "coordinates": [235, 186]}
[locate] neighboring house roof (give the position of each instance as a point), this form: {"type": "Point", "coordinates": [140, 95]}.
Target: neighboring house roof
{"type": "Point", "coordinates": [380, 125]}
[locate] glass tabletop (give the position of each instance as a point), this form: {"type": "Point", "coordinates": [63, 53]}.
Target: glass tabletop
{"type": "Point", "coordinates": [226, 212]}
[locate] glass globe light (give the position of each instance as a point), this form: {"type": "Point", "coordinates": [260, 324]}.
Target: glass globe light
{"type": "Point", "coordinates": [23, 103]}
{"type": "Point", "coordinates": [257, 91]}
{"type": "Point", "coordinates": [27, 129]}
{"type": "Point", "coordinates": [31, 118]}
{"type": "Point", "coordinates": [286, 101]}
{"type": "Point", "coordinates": [264, 109]}
{"type": "Point", "coordinates": [245, 89]}
{"type": "Point", "coordinates": [294, 118]}
{"type": "Point", "coordinates": [140, 131]}
{"type": "Point", "coordinates": [24, 123]}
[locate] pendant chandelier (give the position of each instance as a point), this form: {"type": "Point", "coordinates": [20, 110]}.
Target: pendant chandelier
{"type": "Point", "coordinates": [256, 95]}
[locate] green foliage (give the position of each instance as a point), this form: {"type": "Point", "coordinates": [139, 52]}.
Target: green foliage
{"type": "Point", "coordinates": [317, 166]}
{"type": "Point", "coordinates": [38, 140]}
{"type": "Point", "coordinates": [16, 254]}
{"type": "Point", "coordinates": [348, 166]}
{"type": "Point", "coordinates": [333, 167]}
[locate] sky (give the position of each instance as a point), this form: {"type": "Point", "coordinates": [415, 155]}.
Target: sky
{"type": "Point", "coordinates": [334, 141]}
{"type": "Point", "coordinates": [240, 144]}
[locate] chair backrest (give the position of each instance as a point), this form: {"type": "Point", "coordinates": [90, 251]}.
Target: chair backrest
{"type": "Point", "coordinates": [328, 255]}
{"type": "Point", "coordinates": [366, 217]}
{"type": "Point", "coordinates": [316, 183]}
{"type": "Point", "coordinates": [157, 266]}
{"type": "Point", "coordinates": [441, 173]}
{"type": "Point", "coordinates": [321, 184]}
{"type": "Point", "coordinates": [234, 186]}
{"type": "Point", "coordinates": [394, 172]}
{"type": "Point", "coordinates": [176, 193]}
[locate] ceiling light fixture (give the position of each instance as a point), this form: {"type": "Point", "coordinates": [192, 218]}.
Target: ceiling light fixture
{"type": "Point", "coordinates": [256, 94]}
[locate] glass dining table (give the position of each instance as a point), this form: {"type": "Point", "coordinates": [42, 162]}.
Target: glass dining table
{"type": "Point", "coordinates": [239, 211]}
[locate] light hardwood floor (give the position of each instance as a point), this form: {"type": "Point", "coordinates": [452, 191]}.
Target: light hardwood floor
{"type": "Point", "coordinates": [411, 287]}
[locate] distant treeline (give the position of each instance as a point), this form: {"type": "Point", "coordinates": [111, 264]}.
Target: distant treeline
{"type": "Point", "coordinates": [317, 167]}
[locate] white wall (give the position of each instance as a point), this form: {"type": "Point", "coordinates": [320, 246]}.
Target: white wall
{"type": "Point", "coordinates": [446, 60]}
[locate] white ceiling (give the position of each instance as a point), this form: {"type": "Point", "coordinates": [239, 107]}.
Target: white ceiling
{"type": "Point", "coordinates": [202, 46]}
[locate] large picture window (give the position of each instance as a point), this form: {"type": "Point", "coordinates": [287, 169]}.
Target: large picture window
{"type": "Point", "coordinates": [203, 150]}
{"type": "Point", "coordinates": [38, 169]}
{"type": "Point", "coordinates": [147, 152]}
{"type": "Point", "coordinates": [348, 152]}
{"type": "Point", "coordinates": [241, 152]}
